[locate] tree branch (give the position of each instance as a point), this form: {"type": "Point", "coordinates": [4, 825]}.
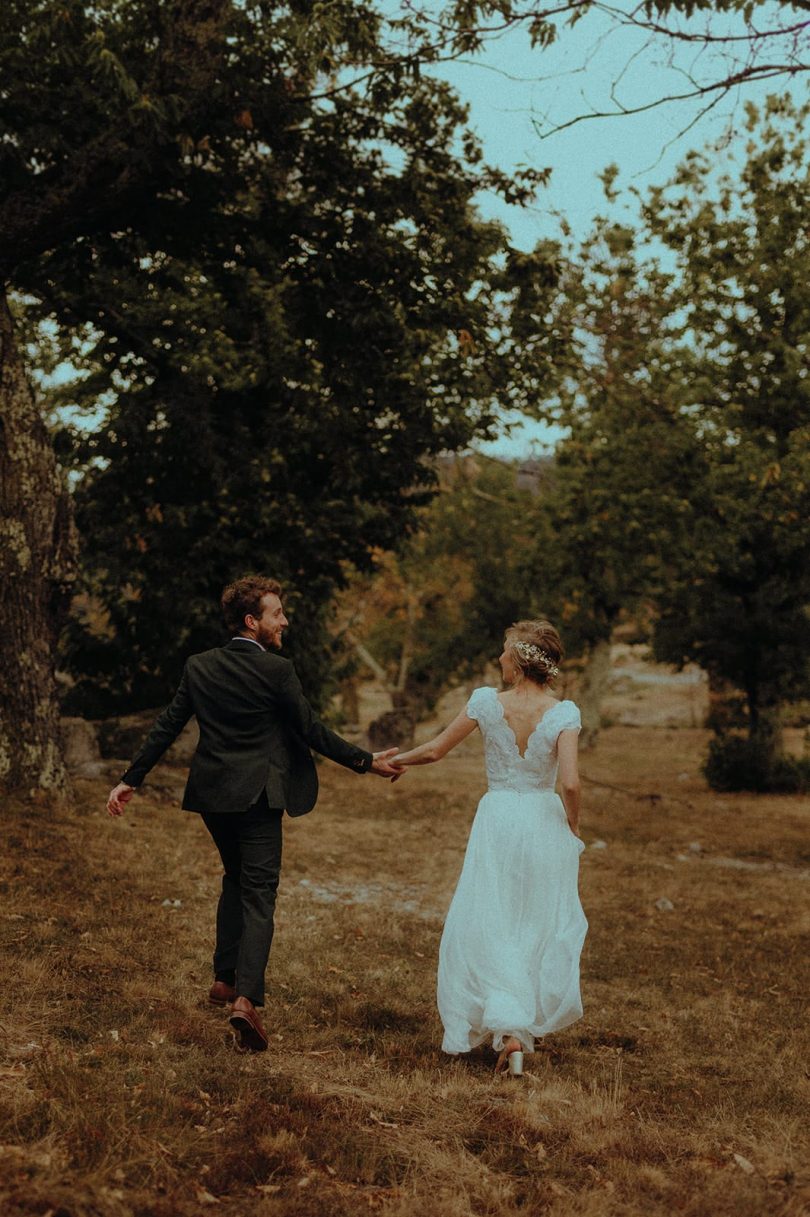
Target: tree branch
{"type": "Point", "coordinates": [706, 38]}
{"type": "Point", "coordinates": [745, 69]}
{"type": "Point", "coordinates": [369, 660]}
{"type": "Point", "coordinates": [754, 72]}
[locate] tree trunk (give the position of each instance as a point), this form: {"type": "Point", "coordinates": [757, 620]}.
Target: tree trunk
{"type": "Point", "coordinates": [766, 732]}
{"type": "Point", "coordinates": [592, 691]}
{"type": "Point", "coordinates": [727, 705]}
{"type": "Point", "coordinates": [36, 570]}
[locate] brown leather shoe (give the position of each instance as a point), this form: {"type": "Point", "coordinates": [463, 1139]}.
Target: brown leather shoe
{"type": "Point", "coordinates": [245, 1022]}
{"type": "Point", "coordinates": [221, 994]}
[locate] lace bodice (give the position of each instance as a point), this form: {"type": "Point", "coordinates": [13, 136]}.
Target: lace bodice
{"type": "Point", "coordinates": [506, 768]}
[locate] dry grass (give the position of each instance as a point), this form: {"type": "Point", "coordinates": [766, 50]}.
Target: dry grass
{"type": "Point", "coordinates": [683, 1090]}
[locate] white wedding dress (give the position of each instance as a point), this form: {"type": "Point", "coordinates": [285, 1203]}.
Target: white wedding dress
{"type": "Point", "coordinates": [509, 955]}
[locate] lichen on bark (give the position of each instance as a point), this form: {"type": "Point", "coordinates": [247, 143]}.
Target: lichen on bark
{"type": "Point", "coordinates": [37, 548]}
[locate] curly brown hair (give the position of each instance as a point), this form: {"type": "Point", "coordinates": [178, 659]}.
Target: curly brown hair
{"type": "Point", "coordinates": [540, 634]}
{"type": "Point", "coordinates": [244, 597]}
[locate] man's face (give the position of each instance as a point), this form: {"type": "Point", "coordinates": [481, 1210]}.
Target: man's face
{"type": "Point", "coordinates": [269, 627]}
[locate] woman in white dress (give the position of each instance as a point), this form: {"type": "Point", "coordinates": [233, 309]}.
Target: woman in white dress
{"type": "Point", "coordinates": [509, 954]}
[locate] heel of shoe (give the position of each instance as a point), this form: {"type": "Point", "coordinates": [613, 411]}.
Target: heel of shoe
{"type": "Point", "coordinates": [515, 1064]}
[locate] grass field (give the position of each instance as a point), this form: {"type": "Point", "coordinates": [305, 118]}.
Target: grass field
{"type": "Point", "coordinates": [683, 1090]}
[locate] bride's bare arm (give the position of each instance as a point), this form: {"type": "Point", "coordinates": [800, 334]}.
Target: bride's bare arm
{"type": "Point", "coordinates": [569, 776]}
{"type": "Point", "coordinates": [435, 749]}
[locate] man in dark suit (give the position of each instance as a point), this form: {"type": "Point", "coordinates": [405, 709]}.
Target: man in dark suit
{"type": "Point", "coordinates": [252, 763]}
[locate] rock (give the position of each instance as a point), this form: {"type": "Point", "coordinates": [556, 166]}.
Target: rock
{"type": "Point", "coordinates": [393, 727]}
{"type": "Point", "coordinates": [80, 747]}
{"type": "Point", "coordinates": [598, 845]}
{"type": "Point", "coordinates": [122, 737]}
{"type": "Point", "coordinates": [184, 747]}
{"type": "Point", "coordinates": [664, 905]}
{"type": "Point", "coordinates": [695, 847]}
{"type": "Point", "coordinates": [95, 770]}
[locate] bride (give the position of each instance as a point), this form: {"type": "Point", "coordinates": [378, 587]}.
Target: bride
{"type": "Point", "coordinates": [509, 954]}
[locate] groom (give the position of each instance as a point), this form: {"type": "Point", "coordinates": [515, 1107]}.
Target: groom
{"type": "Point", "coordinates": [252, 762]}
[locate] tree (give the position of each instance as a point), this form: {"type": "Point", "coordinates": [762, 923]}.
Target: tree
{"type": "Point", "coordinates": [229, 258]}
{"type": "Point", "coordinates": [435, 611]}
{"type": "Point", "coordinates": [288, 394]}
{"type": "Point", "coordinates": [80, 146]}
{"type": "Point", "coordinates": [133, 131]}
{"type": "Point", "coordinates": [739, 608]}
{"type": "Point", "coordinates": [618, 502]}
{"type": "Point", "coordinates": [36, 569]}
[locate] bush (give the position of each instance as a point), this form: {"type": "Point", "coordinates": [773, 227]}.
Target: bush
{"type": "Point", "coordinates": [736, 762]}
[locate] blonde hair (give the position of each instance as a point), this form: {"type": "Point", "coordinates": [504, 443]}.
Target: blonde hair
{"type": "Point", "coordinates": [536, 650]}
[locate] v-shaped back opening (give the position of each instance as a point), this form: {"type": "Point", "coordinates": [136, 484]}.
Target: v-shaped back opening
{"type": "Point", "coordinates": [534, 730]}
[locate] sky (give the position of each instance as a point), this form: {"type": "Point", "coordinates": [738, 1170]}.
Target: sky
{"type": "Point", "coordinates": [517, 94]}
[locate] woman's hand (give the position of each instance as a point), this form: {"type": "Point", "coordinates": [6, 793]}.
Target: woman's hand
{"type": "Point", "coordinates": [386, 764]}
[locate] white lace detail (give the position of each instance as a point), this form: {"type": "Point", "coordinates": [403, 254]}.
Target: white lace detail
{"type": "Point", "coordinates": [536, 769]}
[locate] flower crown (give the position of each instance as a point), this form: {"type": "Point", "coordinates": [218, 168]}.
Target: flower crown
{"type": "Point", "coordinates": [535, 654]}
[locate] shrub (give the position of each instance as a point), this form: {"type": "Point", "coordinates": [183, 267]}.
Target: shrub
{"type": "Point", "coordinates": [736, 762]}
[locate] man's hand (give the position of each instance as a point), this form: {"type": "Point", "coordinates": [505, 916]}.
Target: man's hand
{"type": "Point", "coordinates": [120, 796]}
{"type": "Point", "coordinates": [383, 765]}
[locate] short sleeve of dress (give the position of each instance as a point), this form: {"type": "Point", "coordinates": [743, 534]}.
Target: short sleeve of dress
{"type": "Point", "coordinates": [568, 718]}
{"type": "Point", "coordinates": [480, 699]}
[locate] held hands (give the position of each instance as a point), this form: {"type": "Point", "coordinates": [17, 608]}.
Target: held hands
{"type": "Point", "coordinates": [119, 797]}
{"type": "Point", "coordinates": [385, 767]}
{"type": "Point", "coordinates": [382, 765]}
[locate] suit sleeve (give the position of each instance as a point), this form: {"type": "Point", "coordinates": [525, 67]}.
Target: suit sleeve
{"type": "Point", "coordinates": [165, 731]}
{"type": "Point", "coordinates": [302, 720]}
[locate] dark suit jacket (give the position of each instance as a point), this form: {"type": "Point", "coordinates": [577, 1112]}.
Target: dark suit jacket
{"type": "Point", "coordinates": [256, 729]}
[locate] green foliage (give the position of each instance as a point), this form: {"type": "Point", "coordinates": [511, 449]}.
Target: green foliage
{"type": "Point", "coordinates": [623, 474]}
{"type": "Point", "coordinates": [480, 519]}
{"type": "Point", "coordinates": [684, 480]}
{"type": "Point", "coordinates": [276, 331]}
{"type": "Point", "coordinates": [739, 606]}
{"type": "Point", "coordinates": [737, 762]}
{"type": "Point", "coordinates": [436, 611]}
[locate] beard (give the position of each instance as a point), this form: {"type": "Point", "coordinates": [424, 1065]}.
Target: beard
{"type": "Point", "coordinates": [269, 638]}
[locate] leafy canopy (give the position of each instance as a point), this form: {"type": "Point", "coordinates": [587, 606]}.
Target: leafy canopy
{"type": "Point", "coordinates": [283, 312]}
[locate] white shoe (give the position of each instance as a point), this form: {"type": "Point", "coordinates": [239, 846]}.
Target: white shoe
{"type": "Point", "coordinates": [515, 1060]}
{"type": "Point", "coordinates": [511, 1058]}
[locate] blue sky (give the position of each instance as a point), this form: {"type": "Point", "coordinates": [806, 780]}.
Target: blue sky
{"type": "Point", "coordinates": [516, 94]}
